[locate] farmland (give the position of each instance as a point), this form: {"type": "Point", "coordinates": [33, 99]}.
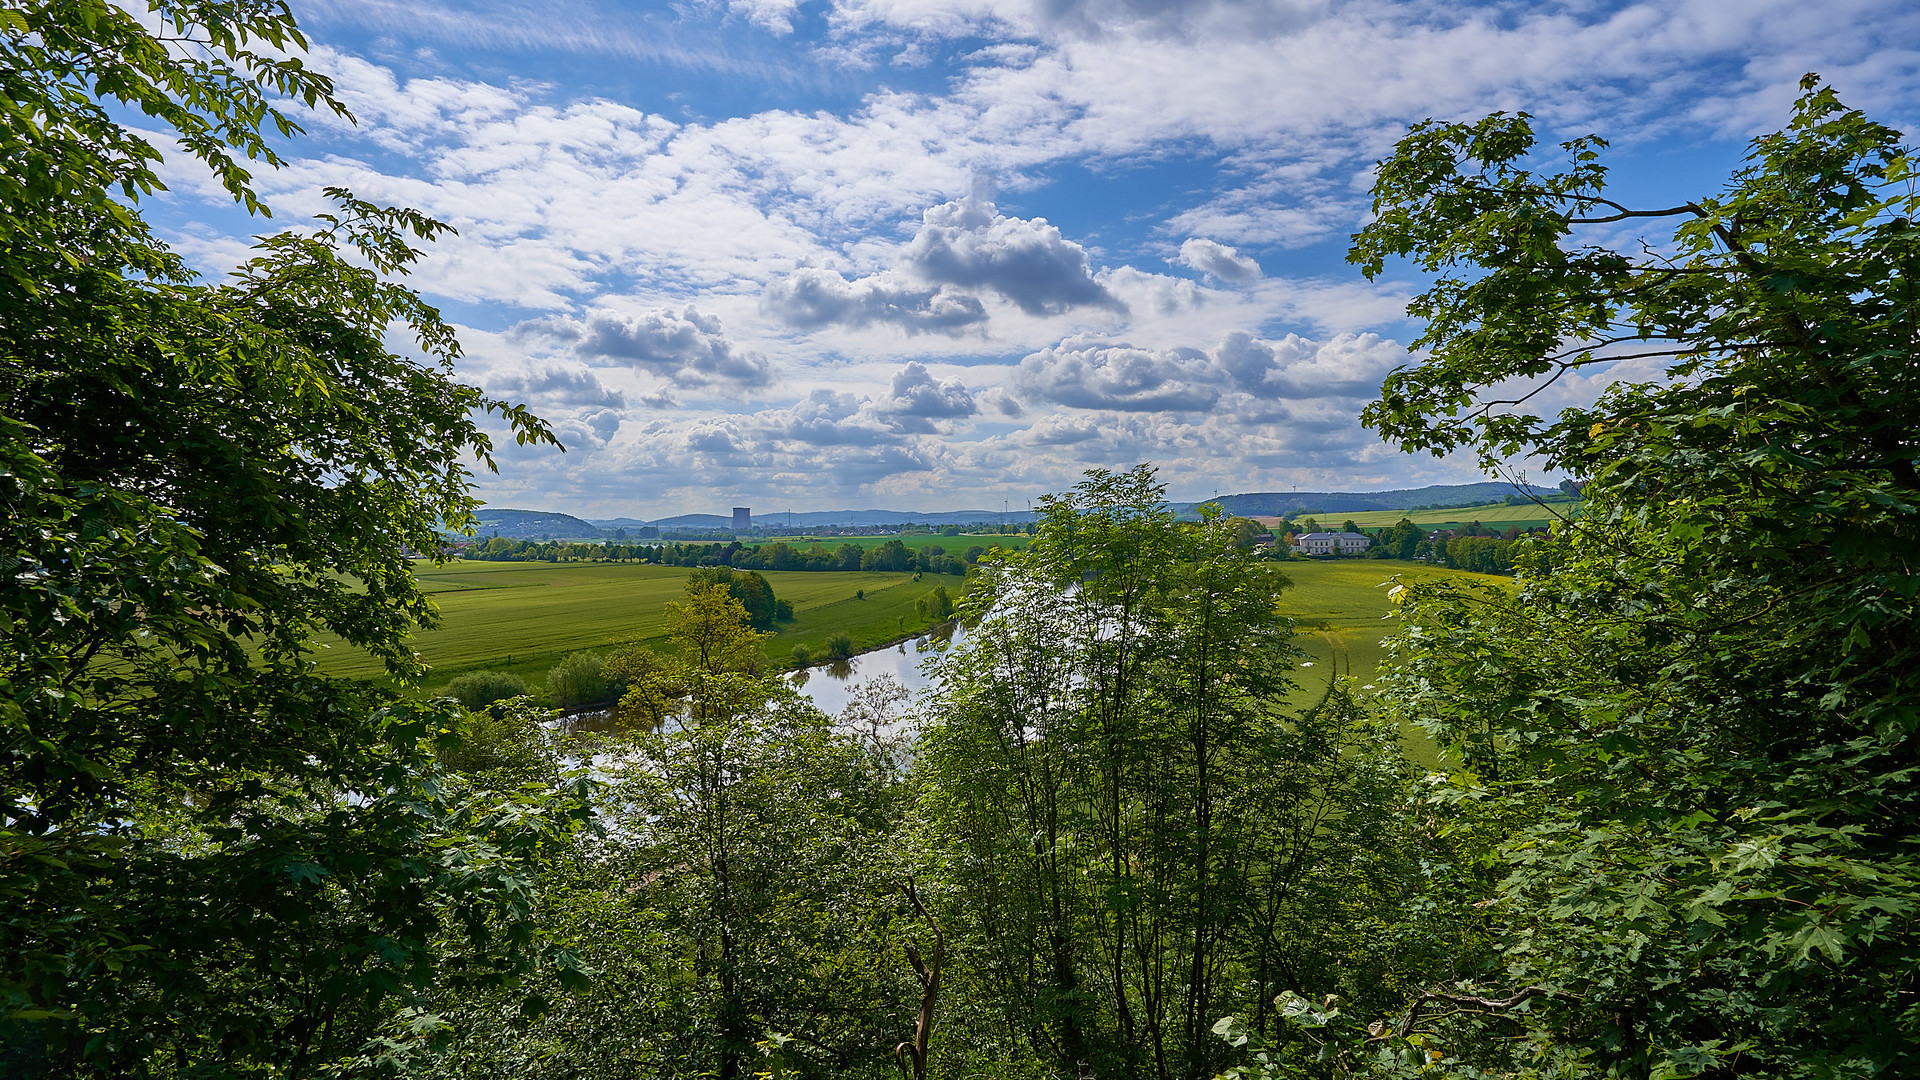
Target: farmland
{"type": "Point", "coordinates": [1525, 515]}
{"type": "Point", "coordinates": [523, 617]}
{"type": "Point", "coordinates": [1340, 610]}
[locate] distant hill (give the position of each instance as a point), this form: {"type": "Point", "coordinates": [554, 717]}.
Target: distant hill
{"type": "Point", "coordinates": [538, 525]}
{"type": "Point", "coordinates": [686, 521]}
{"type": "Point", "coordinates": [1276, 503]}
{"type": "Point", "coordinates": [533, 525]}
{"type": "Point", "coordinates": [815, 518]}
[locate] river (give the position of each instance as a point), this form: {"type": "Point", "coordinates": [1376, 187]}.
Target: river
{"type": "Point", "coordinates": [831, 686]}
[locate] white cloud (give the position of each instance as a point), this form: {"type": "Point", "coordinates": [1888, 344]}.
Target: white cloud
{"type": "Point", "coordinates": [916, 397]}
{"type": "Point", "coordinates": [773, 16]}
{"type": "Point", "coordinates": [885, 336]}
{"type": "Point", "coordinates": [1097, 375]}
{"type": "Point", "coordinates": [970, 244]}
{"type": "Point", "coordinates": [1217, 259]}
{"type": "Point", "coordinates": [684, 347]}
{"type": "Point", "coordinates": [813, 297]}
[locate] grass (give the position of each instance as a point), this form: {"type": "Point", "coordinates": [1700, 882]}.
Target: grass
{"type": "Point", "coordinates": [524, 617]}
{"type": "Point", "coordinates": [1340, 609]}
{"type": "Point", "coordinates": [1525, 515]}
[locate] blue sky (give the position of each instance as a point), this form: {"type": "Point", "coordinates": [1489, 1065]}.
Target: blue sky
{"type": "Point", "coordinates": [846, 253]}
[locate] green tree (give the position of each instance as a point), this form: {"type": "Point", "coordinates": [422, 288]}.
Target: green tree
{"type": "Point", "coordinates": [752, 590]}
{"type": "Point", "coordinates": [1132, 831]}
{"type": "Point", "coordinates": [847, 557]}
{"type": "Point", "coordinates": [892, 556]}
{"type": "Point", "coordinates": [1399, 542]}
{"type": "Point", "coordinates": [213, 860]}
{"type": "Point", "coordinates": [936, 606]}
{"type": "Point", "coordinates": [579, 680]}
{"type": "Point", "coordinates": [743, 889]}
{"type": "Point", "coordinates": [478, 689]}
{"type": "Point", "coordinates": [1686, 746]}
{"type": "Point", "coordinates": [1248, 532]}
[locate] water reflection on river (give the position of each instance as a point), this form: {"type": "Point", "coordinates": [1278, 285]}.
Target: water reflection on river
{"type": "Point", "coordinates": [831, 686]}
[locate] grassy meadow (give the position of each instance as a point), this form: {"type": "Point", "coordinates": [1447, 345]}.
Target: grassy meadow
{"type": "Point", "coordinates": [1526, 515]}
{"type": "Point", "coordinates": [523, 617]}
{"type": "Point", "coordinates": [1340, 609]}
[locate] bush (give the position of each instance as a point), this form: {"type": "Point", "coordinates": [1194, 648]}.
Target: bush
{"type": "Point", "coordinates": [802, 656]}
{"type": "Point", "coordinates": [503, 750]}
{"type": "Point", "coordinates": [578, 681]}
{"type": "Point", "coordinates": [783, 610]}
{"type": "Point", "coordinates": [936, 605]}
{"type": "Point", "coordinates": [840, 646]}
{"type": "Point", "coordinates": [479, 689]}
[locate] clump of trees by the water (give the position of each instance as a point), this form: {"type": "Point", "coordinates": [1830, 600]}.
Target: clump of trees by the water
{"type": "Point", "coordinates": [1668, 833]}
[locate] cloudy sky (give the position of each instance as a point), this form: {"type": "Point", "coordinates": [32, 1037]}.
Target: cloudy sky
{"type": "Point", "coordinates": [933, 254]}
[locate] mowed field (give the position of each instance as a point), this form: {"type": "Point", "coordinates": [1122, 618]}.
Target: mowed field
{"type": "Point", "coordinates": [1525, 515]}
{"type": "Point", "coordinates": [523, 617]}
{"type": "Point", "coordinates": [1341, 611]}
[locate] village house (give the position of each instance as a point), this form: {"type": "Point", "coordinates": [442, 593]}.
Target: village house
{"type": "Point", "coordinates": [1330, 543]}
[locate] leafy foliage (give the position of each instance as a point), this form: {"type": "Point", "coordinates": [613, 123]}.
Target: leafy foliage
{"type": "Point", "coordinates": [209, 856]}
{"type": "Point", "coordinates": [1686, 746]}
{"type": "Point", "coordinates": [1134, 836]}
{"type": "Point", "coordinates": [742, 887]}
{"type": "Point", "coordinates": [478, 689]}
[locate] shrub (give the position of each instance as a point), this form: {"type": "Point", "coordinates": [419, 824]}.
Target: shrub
{"type": "Point", "coordinates": [506, 746]}
{"type": "Point", "coordinates": [802, 656]}
{"type": "Point", "coordinates": [840, 646]}
{"type": "Point", "coordinates": [479, 689]}
{"type": "Point", "coordinates": [578, 681]}
{"type": "Point", "coordinates": [783, 610]}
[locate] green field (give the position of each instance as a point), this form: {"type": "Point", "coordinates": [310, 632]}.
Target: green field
{"type": "Point", "coordinates": [1525, 515]}
{"type": "Point", "coordinates": [523, 617]}
{"type": "Point", "coordinates": [1340, 609]}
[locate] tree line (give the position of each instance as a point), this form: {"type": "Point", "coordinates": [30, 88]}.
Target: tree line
{"type": "Point", "coordinates": [892, 556]}
{"type": "Point", "coordinates": [1668, 833]}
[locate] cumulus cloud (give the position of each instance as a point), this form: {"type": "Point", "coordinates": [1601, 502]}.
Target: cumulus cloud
{"type": "Point", "coordinates": [571, 397]}
{"type": "Point", "coordinates": [969, 243]}
{"type": "Point", "coordinates": [1347, 366]}
{"type": "Point", "coordinates": [1096, 375]}
{"type": "Point", "coordinates": [824, 418]}
{"type": "Point", "coordinates": [1089, 374]}
{"type": "Point", "coordinates": [915, 399]}
{"type": "Point", "coordinates": [592, 200]}
{"type": "Point", "coordinates": [961, 248]}
{"type": "Point", "coordinates": [1223, 262]}
{"type": "Point", "coordinates": [812, 297]}
{"type": "Point", "coordinates": [683, 346]}
{"type": "Point", "coordinates": [560, 383]}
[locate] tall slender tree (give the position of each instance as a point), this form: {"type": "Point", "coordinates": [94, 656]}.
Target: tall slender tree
{"type": "Point", "coordinates": [1118, 790]}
